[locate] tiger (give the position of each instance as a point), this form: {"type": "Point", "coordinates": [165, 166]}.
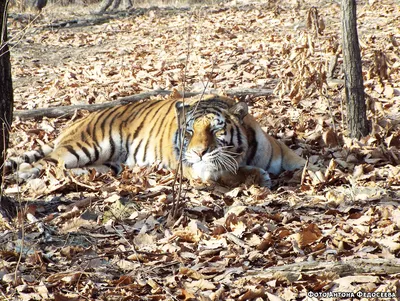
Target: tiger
{"type": "Point", "coordinates": [213, 137]}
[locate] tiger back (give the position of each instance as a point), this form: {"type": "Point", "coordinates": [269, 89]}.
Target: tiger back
{"type": "Point", "coordinates": [215, 139]}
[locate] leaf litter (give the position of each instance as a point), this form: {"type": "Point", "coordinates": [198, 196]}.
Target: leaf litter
{"type": "Point", "coordinates": [103, 237]}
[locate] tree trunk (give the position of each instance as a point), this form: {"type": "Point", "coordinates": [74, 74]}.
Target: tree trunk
{"type": "Point", "coordinates": [357, 122]}
{"type": "Point", "coordinates": [6, 91]}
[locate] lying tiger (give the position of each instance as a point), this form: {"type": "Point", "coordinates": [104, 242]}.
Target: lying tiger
{"type": "Point", "coordinates": [220, 142]}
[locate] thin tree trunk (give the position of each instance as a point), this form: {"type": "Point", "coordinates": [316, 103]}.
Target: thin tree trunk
{"type": "Point", "coordinates": [6, 91]}
{"type": "Point", "coordinates": [357, 122]}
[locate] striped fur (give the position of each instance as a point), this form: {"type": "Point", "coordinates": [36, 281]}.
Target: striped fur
{"type": "Point", "coordinates": [220, 141]}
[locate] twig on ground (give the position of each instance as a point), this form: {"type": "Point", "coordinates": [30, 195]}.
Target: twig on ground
{"type": "Point", "coordinates": [67, 111]}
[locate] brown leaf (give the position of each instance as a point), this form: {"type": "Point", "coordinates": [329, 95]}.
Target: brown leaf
{"type": "Point", "coordinates": [253, 293]}
{"type": "Point", "coordinates": [330, 138]}
{"type": "Point", "coordinates": [308, 235]}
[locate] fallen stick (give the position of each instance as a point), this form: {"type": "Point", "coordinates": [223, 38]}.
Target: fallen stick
{"type": "Point", "coordinates": [356, 266]}
{"type": "Point", "coordinates": [66, 111]}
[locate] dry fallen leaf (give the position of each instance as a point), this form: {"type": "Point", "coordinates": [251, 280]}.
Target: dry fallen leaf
{"type": "Point", "coordinates": [308, 235]}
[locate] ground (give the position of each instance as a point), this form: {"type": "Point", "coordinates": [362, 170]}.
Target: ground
{"type": "Point", "coordinates": [314, 236]}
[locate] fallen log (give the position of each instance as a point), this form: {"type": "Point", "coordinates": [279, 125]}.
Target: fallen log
{"type": "Point", "coordinates": [66, 111]}
{"type": "Point", "coordinates": [355, 266]}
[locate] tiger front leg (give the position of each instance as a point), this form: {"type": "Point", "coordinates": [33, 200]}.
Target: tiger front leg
{"type": "Point", "coordinates": [248, 175]}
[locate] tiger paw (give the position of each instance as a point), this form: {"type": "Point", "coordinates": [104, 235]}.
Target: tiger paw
{"type": "Point", "coordinates": [200, 185]}
{"type": "Point", "coordinates": [255, 175]}
{"type": "Point", "coordinates": [264, 179]}
{"type": "Point", "coordinates": [25, 175]}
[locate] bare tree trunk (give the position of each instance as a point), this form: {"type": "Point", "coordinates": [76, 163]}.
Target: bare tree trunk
{"type": "Point", "coordinates": [357, 122]}
{"type": "Point", "coordinates": [6, 91]}
{"type": "Point", "coordinates": [106, 4]}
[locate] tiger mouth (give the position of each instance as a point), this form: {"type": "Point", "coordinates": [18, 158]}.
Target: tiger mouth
{"type": "Point", "coordinates": [215, 165]}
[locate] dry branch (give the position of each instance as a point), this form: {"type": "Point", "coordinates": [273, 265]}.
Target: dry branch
{"type": "Point", "coordinates": [70, 110]}
{"type": "Point", "coordinates": [342, 268]}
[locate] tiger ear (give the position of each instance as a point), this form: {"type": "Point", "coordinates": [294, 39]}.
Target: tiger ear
{"type": "Point", "coordinates": [180, 106]}
{"type": "Point", "coordinates": [240, 110]}
{"type": "Point", "coordinates": [180, 109]}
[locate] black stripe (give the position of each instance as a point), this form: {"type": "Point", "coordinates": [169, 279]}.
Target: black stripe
{"type": "Point", "coordinates": [105, 119]}
{"type": "Point", "coordinates": [121, 139]}
{"type": "Point", "coordinates": [177, 134]}
{"type": "Point", "coordinates": [253, 144]}
{"type": "Point", "coordinates": [72, 151]}
{"type": "Point", "coordinates": [137, 149]}
{"type": "Point", "coordinates": [96, 152]}
{"type": "Point", "coordinates": [210, 111]}
{"type": "Point", "coordinates": [85, 150]}
{"type": "Point", "coordinates": [133, 110]}
{"type": "Point", "coordinates": [232, 134]}
{"type": "Point", "coordinates": [171, 139]}
{"type": "Point", "coordinates": [112, 141]}
{"type": "Point", "coordinates": [163, 128]}
{"type": "Point", "coordinates": [269, 162]}
{"type": "Point", "coordinates": [40, 151]}
{"type": "Point", "coordinates": [103, 116]}
{"type": "Point", "coordinates": [115, 167]}
{"type": "Point", "coordinates": [55, 161]}
{"type": "Point", "coordinates": [128, 142]}
{"type": "Point", "coordinates": [159, 122]}
{"type": "Point", "coordinates": [14, 164]}
{"type": "Point", "coordinates": [150, 134]}
{"type": "Point", "coordinates": [95, 119]}
{"type": "Point", "coordinates": [144, 120]}
{"type": "Point", "coordinates": [145, 106]}
{"type": "Point", "coordinates": [238, 135]}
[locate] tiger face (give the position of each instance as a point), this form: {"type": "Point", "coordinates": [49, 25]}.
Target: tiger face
{"type": "Point", "coordinates": [214, 141]}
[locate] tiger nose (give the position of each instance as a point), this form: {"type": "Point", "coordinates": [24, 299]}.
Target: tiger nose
{"type": "Point", "coordinates": [201, 152]}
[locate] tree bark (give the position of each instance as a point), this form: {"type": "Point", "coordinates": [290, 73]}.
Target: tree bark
{"type": "Point", "coordinates": [357, 122]}
{"type": "Point", "coordinates": [106, 4]}
{"type": "Point", "coordinates": [6, 91]}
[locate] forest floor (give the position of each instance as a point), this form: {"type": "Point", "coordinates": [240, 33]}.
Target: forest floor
{"type": "Point", "coordinates": [328, 235]}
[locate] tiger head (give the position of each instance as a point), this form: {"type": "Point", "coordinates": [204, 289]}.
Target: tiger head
{"type": "Point", "coordinates": [212, 136]}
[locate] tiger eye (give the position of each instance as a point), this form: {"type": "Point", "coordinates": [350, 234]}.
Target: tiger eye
{"type": "Point", "coordinates": [188, 135]}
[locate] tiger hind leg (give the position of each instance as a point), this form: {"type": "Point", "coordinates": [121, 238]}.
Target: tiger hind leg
{"type": "Point", "coordinates": [35, 170]}
{"type": "Point", "coordinates": [25, 161]}
{"type": "Point", "coordinates": [43, 158]}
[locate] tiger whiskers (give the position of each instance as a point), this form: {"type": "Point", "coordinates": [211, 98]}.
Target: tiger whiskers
{"type": "Point", "coordinates": [225, 160]}
{"type": "Point", "coordinates": [228, 163]}
{"type": "Point", "coordinates": [225, 150]}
